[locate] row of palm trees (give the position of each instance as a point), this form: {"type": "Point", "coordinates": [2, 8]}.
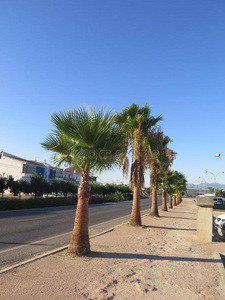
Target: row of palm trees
{"type": "Point", "coordinates": [93, 140]}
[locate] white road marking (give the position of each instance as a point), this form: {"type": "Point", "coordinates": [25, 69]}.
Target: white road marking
{"type": "Point", "coordinates": [34, 219]}
{"type": "Point", "coordinates": [33, 243]}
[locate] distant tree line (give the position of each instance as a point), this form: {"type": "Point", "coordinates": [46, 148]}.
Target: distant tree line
{"type": "Point", "coordinates": [218, 192]}
{"type": "Point", "coordinates": [38, 186]}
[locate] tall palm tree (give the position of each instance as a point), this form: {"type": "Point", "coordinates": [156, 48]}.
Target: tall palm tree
{"type": "Point", "coordinates": [163, 175]}
{"type": "Point", "coordinates": [157, 144]}
{"type": "Point", "coordinates": [180, 185]}
{"type": "Point", "coordinates": [170, 190]}
{"type": "Point", "coordinates": [136, 122]}
{"type": "Point", "coordinates": [87, 140]}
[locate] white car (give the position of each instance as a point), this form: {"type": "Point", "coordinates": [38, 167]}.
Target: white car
{"type": "Point", "coordinates": [220, 224]}
{"type": "Point", "coordinates": [220, 221]}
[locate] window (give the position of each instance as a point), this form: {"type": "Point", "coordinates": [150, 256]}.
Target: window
{"type": "Point", "coordinates": [0, 156]}
{"type": "Point", "coordinates": [52, 174]}
{"type": "Point", "coordinates": [29, 169]}
{"type": "Point", "coordinates": [59, 173]}
{"type": "Point", "coordinates": [40, 170]}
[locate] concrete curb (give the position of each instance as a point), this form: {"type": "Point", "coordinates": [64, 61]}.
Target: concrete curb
{"type": "Point", "coordinates": [221, 265]}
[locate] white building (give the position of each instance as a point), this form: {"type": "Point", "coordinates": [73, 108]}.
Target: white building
{"type": "Point", "coordinates": [23, 169]}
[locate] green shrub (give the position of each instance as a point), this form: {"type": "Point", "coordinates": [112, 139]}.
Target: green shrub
{"type": "Point", "coordinates": [36, 203]}
{"type": "Point", "coordinates": [11, 204]}
{"type": "Point", "coordinates": [118, 196]}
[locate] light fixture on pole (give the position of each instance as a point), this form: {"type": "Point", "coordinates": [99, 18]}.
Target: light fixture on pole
{"type": "Point", "coordinates": [199, 186]}
{"type": "Point", "coordinates": [219, 154]}
{"type": "Point", "coordinates": [214, 177]}
{"type": "Point", "coordinates": [204, 180]}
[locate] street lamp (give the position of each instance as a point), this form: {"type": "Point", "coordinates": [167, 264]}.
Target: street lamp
{"type": "Point", "coordinates": [214, 176]}
{"type": "Point", "coordinates": [204, 180]}
{"type": "Point", "coordinates": [199, 186]}
{"type": "Point", "coordinates": [218, 155]}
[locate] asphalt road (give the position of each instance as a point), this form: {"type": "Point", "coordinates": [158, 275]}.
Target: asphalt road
{"type": "Point", "coordinates": [27, 233]}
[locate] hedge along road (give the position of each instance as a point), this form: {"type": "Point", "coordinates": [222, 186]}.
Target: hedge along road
{"type": "Point", "coordinates": [28, 233]}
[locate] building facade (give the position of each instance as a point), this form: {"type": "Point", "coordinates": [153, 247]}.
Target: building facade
{"type": "Point", "coordinates": [20, 168]}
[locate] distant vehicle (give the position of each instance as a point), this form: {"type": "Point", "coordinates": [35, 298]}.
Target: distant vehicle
{"type": "Point", "coordinates": [95, 196]}
{"type": "Point", "coordinates": [218, 198]}
{"type": "Point", "coordinates": [219, 204]}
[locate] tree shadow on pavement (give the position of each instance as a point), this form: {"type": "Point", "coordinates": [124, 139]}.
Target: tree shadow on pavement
{"type": "Point", "coordinates": [183, 212]}
{"type": "Point", "coordinates": [165, 217]}
{"type": "Point", "coordinates": [169, 228]}
{"type": "Point", "coordinates": [150, 257]}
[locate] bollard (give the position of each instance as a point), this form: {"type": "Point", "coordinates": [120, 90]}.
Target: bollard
{"type": "Point", "coordinates": [204, 218]}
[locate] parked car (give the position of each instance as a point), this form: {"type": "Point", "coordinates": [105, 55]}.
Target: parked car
{"type": "Point", "coordinates": [220, 224]}
{"type": "Point", "coordinates": [220, 221]}
{"type": "Point", "coordinates": [218, 198]}
{"type": "Point", "coordinates": [219, 204]}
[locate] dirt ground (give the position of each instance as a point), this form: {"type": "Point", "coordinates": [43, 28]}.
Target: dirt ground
{"type": "Point", "coordinates": [161, 260]}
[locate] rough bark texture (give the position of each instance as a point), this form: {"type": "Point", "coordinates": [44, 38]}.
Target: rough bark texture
{"type": "Point", "coordinates": [79, 244]}
{"type": "Point", "coordinates": [178, 198]}
{"type": "Point", "coordinates": [170, 202]}
{"type": "Point", "coordinates": [154, 186]}
{"type": "Point", "coordinates": [164, 205]}
{"type": "Point", "coordinates": [135, 218]}
{"type": "Point", "coordinates": [174, 201]}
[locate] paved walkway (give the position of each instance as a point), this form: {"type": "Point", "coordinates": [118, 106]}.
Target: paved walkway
{"type": "Point", "coordinates": [161, 260]}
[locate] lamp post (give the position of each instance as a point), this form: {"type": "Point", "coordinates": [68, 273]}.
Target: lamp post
{"type": "Point", "coordinates": [204, 180]}
{"type": "Point", "coordinates": [218, 155]}
{"type": "Point", "coordinates": [199, 186]}
{"type": "Point", "coordinates": [214, 177]}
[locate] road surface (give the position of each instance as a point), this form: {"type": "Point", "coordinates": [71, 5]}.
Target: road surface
{"type": "Point", "coordinates": [27, 233]}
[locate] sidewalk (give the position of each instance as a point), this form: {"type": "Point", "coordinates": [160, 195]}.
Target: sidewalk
{"type": "Point", "coordinates": [161, 260]}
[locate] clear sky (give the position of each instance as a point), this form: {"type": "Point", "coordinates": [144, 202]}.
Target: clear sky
{"type": "Point", "coordinates": [56, 55]}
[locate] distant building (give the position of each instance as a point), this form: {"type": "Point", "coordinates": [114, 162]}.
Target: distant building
{"type": "Point", "coordinates": [92, 179]}
{"type": "Point", "coordinates": [193, 191]}
{"type": "Point", "coordinates": [23, 169]}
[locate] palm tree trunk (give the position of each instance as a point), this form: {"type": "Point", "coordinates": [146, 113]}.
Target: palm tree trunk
{"type": "Point", "coordinates": [170, 202]}
{"type": "Point", "coordinates": [79, 243]}
{"type": "Point", "coordinates": [154, 186]}
{"type": "Point", "coordinates": [154, 209]}
{"type": "Point", "coordinates": [174, 201]}
{"type": "Point", "coordinates": [135, 218]}
{"type": "Point", "coordinates": [178, 197]}
{"type": "Point", "coordinates": [164, 206]}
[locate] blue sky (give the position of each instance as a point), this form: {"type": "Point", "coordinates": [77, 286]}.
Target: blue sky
{"type": "Point", "coordinates": [56, 55]}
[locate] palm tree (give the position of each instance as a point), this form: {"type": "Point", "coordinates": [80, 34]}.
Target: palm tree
{"type": "Point", "coordinates": [87, 140]}
{"type": "Point", "coordinates": [157, 145]}
{"type": "Point", "coordinates": [180, 185]}
{"type": "Point", "coordinates": [163, 174]}
{"type": "Point", "coordinates": [170, 190]}
{"type": "Point", "coordinates": [136, 122]}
